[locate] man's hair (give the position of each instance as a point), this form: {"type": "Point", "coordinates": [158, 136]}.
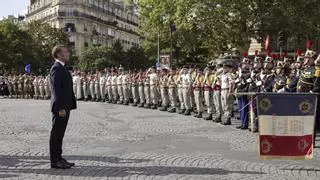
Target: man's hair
{"type": "Point", "coordinates": [57, 49]}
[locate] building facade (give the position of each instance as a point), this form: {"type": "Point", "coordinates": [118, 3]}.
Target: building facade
{"type": "Point", "coordinates": [88, 22]}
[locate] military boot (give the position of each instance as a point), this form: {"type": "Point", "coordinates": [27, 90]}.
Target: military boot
{"type": "Point", "coordinates": [217, 119]}
{"type": "Point", "coordinates": [181, 111]}
{"type": "Point", "coordinates": [227, 121]}
{"type": "Point", "coordinates": [198, 115]}
{"type": "Point", "coordinates": [208, 117]}
{"type": "Point", "coordinates": [163, 108]}
{"type": "Point", "coordinates": [172, 110]}
{"type": "Point", "coordinates": [187, 112]}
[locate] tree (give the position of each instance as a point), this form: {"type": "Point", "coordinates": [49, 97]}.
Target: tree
{"type": "Point", "coordinates": [15, 46]}
{"type": "Point", "coordinates": [96, 58]}
{"type": "Point", "coordinates": [209, 28]}
{"type": "Point", "coordinates": [44, 38]}
{"type": "Point", "coordinates": [118, 54]}
{"type": "Point", "coordinates": [136, 58]}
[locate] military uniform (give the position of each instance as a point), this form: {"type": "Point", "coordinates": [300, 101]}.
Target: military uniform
{"type": "Point", "coordinates": [216, 86]}
{"type": "Point", "coordinates": [172, 92]}
{"type": "Point", "coordinates": [75, 78]}
{"type": "Point", "coordinates": [141, 79]}
{"type": "Point", "coordinates": [134, 88]}
{"type": "Point", "coordinates": [154, 82]}
{"type": "Point", "coordinates": [243, 101]}
{"type": "Point", "coordinates": [114, 88]}
{"type": "Point", "coordinates": [10, 86]}
{"type": "Point", "coordinates": [197, 91]}
{"type": "Point", "coordinates": [97, 92]}
{"type": "Point", "coordinates": [125, 89]}
{"type": "Point", "coordinates": [109, 87]}
{"type": "Point", "coordinates": [208, 80]}
{"type": "Point", "coordinates": [186, 87]}
{"type": "Point", "coordinates": [180, 92]}
{"type": "Point", "coordinates": [102, 83]}
{"type": "Point", "coordinates": [41, 88]}
{"type": "Point", "coordinates": [15, 86]}
{"type": "Point", "coordinates": [163, 83]}
{"type": "Point", "coordinates": [91, 87]}
{"type": "Point", "coordinates": [47, 87]}
{"type": "Point", "coordinates": [227, 100]}
{"type": "Point", "coordinates": [85, 88]}
{"type": "Point", "coordinates": [36, 88]}
{"type": "Point", "coordinates": [147, 91]}
{"type": "Point", "coordinates": [120, 88]}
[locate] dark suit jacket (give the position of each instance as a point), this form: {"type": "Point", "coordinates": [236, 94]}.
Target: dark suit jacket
{"type": "Point", "coordinates": [62, 95]}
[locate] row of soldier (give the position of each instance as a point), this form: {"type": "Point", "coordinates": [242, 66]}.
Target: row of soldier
{"type": "Point", "coordinates": [208, 93]}
{"type": "Point", "coordinates": [183, 90]}
{"type": "Point", "coordinates": [26, 86]}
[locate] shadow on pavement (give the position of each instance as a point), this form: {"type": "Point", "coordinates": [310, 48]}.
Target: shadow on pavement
{"type": "Point", "coordinates": [119, 167]}
{"type": "Point", "coordinates": [2, 176]}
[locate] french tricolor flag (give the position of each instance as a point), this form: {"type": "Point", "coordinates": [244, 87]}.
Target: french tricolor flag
{"type": "Point", "coordinates": [286, 125]}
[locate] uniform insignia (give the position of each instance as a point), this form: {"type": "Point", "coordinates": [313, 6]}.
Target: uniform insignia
{"type": "Point", "coordinates": [305, 106]}
{"type": "Point", "coordinates": [265, 104]}
{"type": "Point", "coordinates": [265, 146]}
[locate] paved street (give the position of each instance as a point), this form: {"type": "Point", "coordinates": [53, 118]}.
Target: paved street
{"type": "Point", "coordinates": [122, 142]}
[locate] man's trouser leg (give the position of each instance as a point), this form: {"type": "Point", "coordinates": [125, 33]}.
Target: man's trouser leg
{"type": "Point", "coordinates": [244, 111]}
{"type": "Point", "coordinates": [180, 96]}
{"type": "Point", "coordinates": [125, 93]}
{"type": "Point", "coordinates": [208, 101]}
{"type": "Point", "coordinates": [110, 94]}
{"type": "Point", "coordinates": [173, 97]}
{"type": "Point", "coordinates": [198, 102]}
{"type": "Point", "coordinates": [186, 98]}
{"type": "Point", "coordinates": [85, 91]}
{"type": "Point", "coordinates": [225, 106]}
{"type": "Point", "coordinates": [165, 97]}
{"type": "Point", "coordinates": [154, 95]}
{"type": "Point", "coordinates": [135, 94]}
{"type": "Point", "coordinates": [141, 95]}
{"type": "Point", "coordinates": [59, 125]}
{"type": "Point", "coordinates": [218, 105]}
{"type": "Point", "coordinates": [97, 91]}
{"type": "Point", "coordinates": [147, 95]}
{"type": "Point", "coordinates": [120, 93]}
{"type": "Point", "coordinates": [114, 93]}
{"type": "Point", "coordinates": [102, 92]}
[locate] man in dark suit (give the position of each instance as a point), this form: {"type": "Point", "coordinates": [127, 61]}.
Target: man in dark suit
{"type": "Point", "coordinates": [62, 102]}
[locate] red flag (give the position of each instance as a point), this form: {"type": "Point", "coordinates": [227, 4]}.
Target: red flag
{"type": "Point", "coordinates": [267, 43]}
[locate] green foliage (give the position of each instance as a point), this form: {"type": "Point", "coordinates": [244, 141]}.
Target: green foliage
{"type": "Point", "coordinates": [102, 57]}
{"type": "Point", "coordinates": [95, 58]}
{"type": "Point", "coordinates": [44, 38]}
{"type": "Point", "coordinates": [14, 46]}
{"type": "Point", "coordinates": [31, 44]}
{"type": "Point", "coordinates": [210, 27]}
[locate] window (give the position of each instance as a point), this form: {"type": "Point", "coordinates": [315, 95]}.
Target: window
{"type": "Point", "coordinates": [69, 11]}
{"type": "Point", "coordinates": [86, 44]}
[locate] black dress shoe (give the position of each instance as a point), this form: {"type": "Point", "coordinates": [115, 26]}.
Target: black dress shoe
{"type": "Point", "coordinates": [244, 127]}
{"type": "Point", "coordinates": [60, 165]}
{"type": "Point", "coordinates": [69, 163]}
{"type": "Point", "coordinates": [239, 127]}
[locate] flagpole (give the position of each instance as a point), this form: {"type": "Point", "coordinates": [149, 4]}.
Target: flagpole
{"type": "Point", "coordinates": [170, 47]}
{"type": "Point", "coordinates": [158, 45]}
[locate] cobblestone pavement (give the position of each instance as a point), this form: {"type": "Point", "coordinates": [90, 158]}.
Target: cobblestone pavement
{"type": "Point", "coordinates": [122, 142]}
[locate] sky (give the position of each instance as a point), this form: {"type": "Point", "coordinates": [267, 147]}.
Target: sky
{"type": "Point", "coordinates": [15, 7]}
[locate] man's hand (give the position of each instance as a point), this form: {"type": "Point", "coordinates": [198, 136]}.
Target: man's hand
{"type": "Point", "coordinates": [62, 113]}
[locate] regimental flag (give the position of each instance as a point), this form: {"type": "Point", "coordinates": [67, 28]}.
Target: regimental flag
{"type": "Point", "coordinates": [27, 68]}
{"type": "Point", "coordinates": [286, 124]}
